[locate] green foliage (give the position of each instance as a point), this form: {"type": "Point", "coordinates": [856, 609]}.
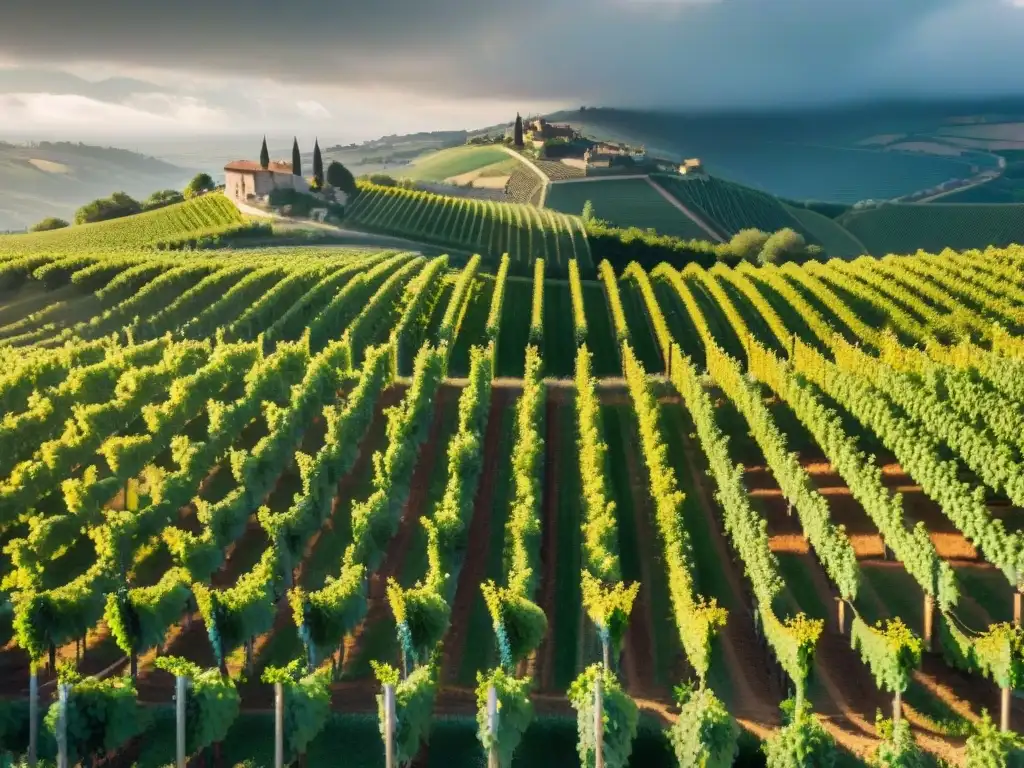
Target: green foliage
{"type": "Point", "coordinates": [801, 743]}
{"type": "Point", "coordinates": [787, 245]}
{"type": "Point", "coordinates": [212, 703]}
{"type": "Point", "coordinates": [620, 717]}
{"type": "Point", "coordinates": [101, 716]}
{"type": "Point", "coordinates": [897, 748]}
{"type": "Point", "coordinates": [747, 244]}
{"type": "Point", "coordinates": [537, 306]}
{"type": "Point", "coordinates": [514, 712]}
{"type": "Point", "coordinates": [704, 735]}
{"type": "Point", "coordinates": [318, 166]}
{"type": "Point", "coordinates": [890, 649]}
{"type": "Point", "coordinates": [138, 618]}
{"type": "Point", "coordinates": [163, 198]}
{"type": "Point", "coordinates": [116, 206]}
{"type": "Point", "coordinates": [414, 701]}
{"type": "Point", "coordinates": [50, 222]}
{"type": "Point", "coordinates": [696, 620]}
{"type": "Point", "coordinates": [579, 315]}
{"type": "Point", "coordinates": [200, 184]}
{"type": "Point", "coordinates": [988, 747]}
{"type": "Point", "coordinates": [340, 177]}
{"type": "Point", "coordinates": [307, 703]}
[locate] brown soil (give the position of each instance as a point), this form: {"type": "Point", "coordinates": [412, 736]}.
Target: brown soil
{"type": "Point", "coordinates": [949, 542]}
{"type": "Point", "coordinates": [474, 568]}
{"type": "Point", "coordinates": [403, 539]}
{"type": "Point", "coordinates": [542, 666]}
{"type": "Point", "coordinates": [639, 651]}
{"type": "Point", "coordinates": [756, 693]}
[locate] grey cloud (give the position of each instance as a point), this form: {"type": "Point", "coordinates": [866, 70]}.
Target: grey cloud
{"type": "Point", "coordinates": [625, 52]}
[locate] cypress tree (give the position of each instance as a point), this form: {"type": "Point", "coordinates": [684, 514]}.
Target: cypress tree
{"type": "Point", "coordinates": [264, 155]}
{"type": "Point", "coordinates": [519, 131]}
{"type": "Point", "coordinates": [318, 164]}
{"type": "Point", "coordinates": [296, 158]}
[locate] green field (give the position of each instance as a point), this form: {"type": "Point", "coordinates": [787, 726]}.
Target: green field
{"type": "Point", "coordinates": [836, 241]}
{"type": "Point", "coordinates": [438, 166]}
{"type": "Point", "coordinates": [624, 203]}
{"type": "Point", "coordinates": [907, 228]}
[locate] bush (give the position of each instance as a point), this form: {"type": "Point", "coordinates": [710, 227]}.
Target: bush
{"type": "Point", "coordinates": [105, 208]}
{"type": "Point", "coordinates": [340, 177]}
{"type": "Point", "coordinates": [50, 222]}
{"type": "Point", "coordinates": [200, 184]}
{"type": "Point", "coordinates": [991, 748]}
{"type": "Point", "coordinates": [787, 245]}
{"type": "Point", "coordinates": [801, 742]}
{"type": "Point", "coordinates": [162, 198]}
{"type": "Point", "coordinates": [746, 245]}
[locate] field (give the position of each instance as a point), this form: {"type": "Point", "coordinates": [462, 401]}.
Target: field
{"type": "Point", "coordinates": [836, 241]}
{"type": "Point", "coordinates": [296, 465]}
{"type": "Point", "coordinates": [624, 203]}
{"type": "Point", "coordinates": [933, 226]}
{"type": "Point", "coordinates": [446, 163]}
{"type": "Point", "coordinates": [489, 228]}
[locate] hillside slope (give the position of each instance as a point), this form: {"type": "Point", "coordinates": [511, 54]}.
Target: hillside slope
{"type": "Point", "coordinates": [53, 179]}
{"type": "Point", "coordinates": [907, 228]}
{"type": "Point", "coordinates": [209, 215]}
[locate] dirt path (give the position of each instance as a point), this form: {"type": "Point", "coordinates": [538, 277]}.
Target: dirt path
{"type": "Point", "coordinates": [403, 539]}
{"type": "Point", "coordinates": [756, 694]}
{"type": "Point", "coordinates": [541, 666]}
{"type": "Point", "coordinates": [640, 648]}
{"type": "Point", "coordinates": [474, 568]}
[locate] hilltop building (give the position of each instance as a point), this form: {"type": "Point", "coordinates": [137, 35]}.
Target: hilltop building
{"type": "Point", "coordinates": [692, 167]}
{"type": "Point", "coordinates": [540, 130]}
{"type": "Point", "coordinates": [245, 179]}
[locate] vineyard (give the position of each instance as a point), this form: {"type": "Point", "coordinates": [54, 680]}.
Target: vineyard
{"type": "Point", "coordinates": [489, 228]}
{"type": "Point", "coordinates": [625, 203]}
{"type": "Point", "coordinates": [205, 218]}
{"type": "Point", "coordinates": [907, 228]}
{"type": "Point", "coordinates": [744, 508]}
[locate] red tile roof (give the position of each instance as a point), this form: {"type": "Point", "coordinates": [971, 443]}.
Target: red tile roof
{"type": "Point", "coordinates": [251, 166]}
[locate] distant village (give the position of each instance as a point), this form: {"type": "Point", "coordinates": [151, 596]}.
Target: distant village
{"type": "Point", "coordinates": [562, 142]}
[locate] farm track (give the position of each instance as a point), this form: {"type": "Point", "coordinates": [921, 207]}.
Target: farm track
{"type": "Point", "coordinates": [474, 568]}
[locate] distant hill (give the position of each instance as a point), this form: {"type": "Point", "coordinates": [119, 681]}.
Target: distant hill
{"type": "Point", "coordinates": [55, 178]}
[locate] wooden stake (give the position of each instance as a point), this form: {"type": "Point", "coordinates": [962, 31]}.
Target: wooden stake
{"type": "Point", "coordinates": [841, 618]}
{"type": "Point", "coordinates": [598, 725]}
{"type": "Point", "coordinates": [929, 621]}
{"type": "Point", "coordinates": [1016, 608]}
{"type": "Point", "coordinates": [389, 726]}
{"type": "Point", "coordinates": [1004, 715]}
{"type": "Point", "coordinates": [62, 726]}
{"type": "Point", "coordinates": [278, 725]}
{"type": "Point", "coordinates": [492, 726]}
{"type": "Point", "coordinates": [179, 710]}
{"type": "Point", "coordinates": [33, 716]}
{"type": "Point", "coordinates": [897, 707]}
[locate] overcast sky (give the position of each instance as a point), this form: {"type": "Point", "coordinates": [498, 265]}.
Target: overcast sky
{"type": "Point", "coordinates": [348, 70]}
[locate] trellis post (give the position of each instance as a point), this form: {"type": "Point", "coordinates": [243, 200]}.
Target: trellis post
{"type": "Point", "coordinates": [598, 723]}
{"type": "Point", "coordinates": [33, 715]}
{"type": "Point", "coordinates": [278, 725]}
{"type": "Point", "coordinates": [492, 726]}
{"type": "Point", "coordinates": [389, 726]}
{"type": "Point", "coordinates": [180, 681]}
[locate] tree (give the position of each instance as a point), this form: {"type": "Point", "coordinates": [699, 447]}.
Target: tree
{"type": "Point", "coordinates": [340, 177]}
{"type": "Point", "coordinates": [201, 182]}
{"type": "Point", "coordinates": [784, 245]}
{"type": "Point", "coordinates": [264, 155]}
{"type": "Point", "coordinates": [296, 158]}
{"type": "Point", "coordinates": [50, 222]}
{"type": "Point", "coordinates": [114, 207]}
{"type": "Point", "coordinates": [519, 131]}
{"type": "Point", "coordinates": [318, 165]}
{"type": "Point", "coordinates": [747, 244]}
{"type": "Point", "coordinates": [161, 198]}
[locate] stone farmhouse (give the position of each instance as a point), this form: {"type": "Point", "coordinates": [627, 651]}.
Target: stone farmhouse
{"type": "Point", "coordinates": [246, 179]}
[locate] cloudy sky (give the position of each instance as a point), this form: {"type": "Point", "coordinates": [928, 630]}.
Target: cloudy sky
{"type": "Point", "coordinates": [348, 70]}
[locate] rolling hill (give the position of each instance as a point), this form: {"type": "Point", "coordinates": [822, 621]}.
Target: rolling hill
{"type": "Point", "coordinates": [55, 178]}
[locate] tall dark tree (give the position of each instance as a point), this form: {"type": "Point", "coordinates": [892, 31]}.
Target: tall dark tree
{"type": "Point", "coordinates": [519, 131]}
{"type": "Point", "coordinates": [296, 158]}
{"type": "Point", "coordinates": [340, 177]}
{"type": "Point", "coordinates": [264, 155]}
{"type": "Point", "coordinates": [318, 164]}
